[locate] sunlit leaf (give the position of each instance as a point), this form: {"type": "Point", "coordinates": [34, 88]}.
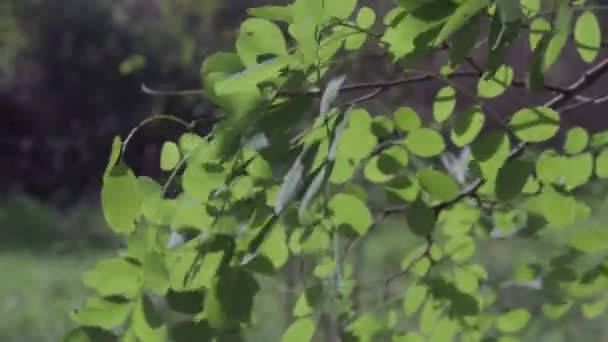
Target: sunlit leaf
{"type": "Point", "coordinates": [467, 126]}
{"type": "Point", "coordinates": [438, 184]}
{"type": "Point", "coordinates": [513, 320]}
{"type": "Point", "coordinates": [406, 119]}
{"type": "Point", "coordinates": [349, 210]}
{"type": "Point", "coordinates": [459, 18]}
{"type": "Point", "coordinates": [425, 142]}
{"type": "Point", "coordinates": [366, 18]}
{"type": "Point", "coordinates": [588, 36]}
{"type": "Point", "coordinates": [302, 330]}
{"type": "Point", "coordinates": [115, 276]}
{"type": "Point", "coordinates": [445, 102]}
{"type": "Point", "coordinates": [490, 86]}
{"type": "Point", "coordinates": [535, 124]}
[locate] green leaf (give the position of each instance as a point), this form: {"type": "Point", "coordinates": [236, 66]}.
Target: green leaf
{"type": "Point", "coordinates": [366, 18]}
{"type": "Point", "coordinates": [114, 155]}
{"type": "Point", "coordinates": [420, 218]}
{"type": "Point", "coordinates": [275, 247]}
{"type": "Point", "coordinates": [374, 173]}
{"type": "Point", "coordinates": [439, 185]}
{"type": "Point", "coordinates": [365, 327]}
{"type": "Point", "coordinates": [539, 28]}
{"type": "Point", "coordinates": [490, 86]}
{"type": "Point", "coordinates": [512, 320]}
{"type": "Point", "coordinates": [382, 126]}
{"type": "Point", "coordinates": [325, 268]}
{"type": "Point", "coordinates": [459, 18]}
{"type": "Point", "coordinates": [187, 331]}
{"type": "Point", "coordinates": [601, 164]}
{"type": "Point", "coordinates": [594, 309]}
{"type": "Point", "coordinates": [573, 171]}
{"type": "Point", "coordinates": [200, 180]}
{"type": "Point", "coordinates": [445, 330]}
{"type": "Point", "coordinates": [384, 167]}
{"type": "Point", "coordinates": [406, 119]}
{"type": "Point", "coordinates": [560, 34]}
{"type": "Point", "coordinates": [465, 280]}
{"type": "Point", "coordinates": [556, 311]}
{"type": "Point", "coordinates": [413, 33]}
{"type": "Point", "coordinates": [155, 273]}
{"type": "Point", "coordinates": [301, 330]}
{"type": "Point", "coordinates": [467, 126]}
{"type": "Point", "coordinates": [530, 7]}
{"type": "Point", "coordinates": [460, 248]}
{"type": "Point", "coordinates": [535, 124]}
{"type": "Point", "coordinates": [558, 209]}
{"type": "Point", "coordinates": [588, 36]}
{"type": "Point", "coordinates": [357, 141]}
{"type": "Point", "coordinates": [115, 276]}
{"type": "Point", "coordinates": [308, 300]}
{"type": "Point", "coordinates": [230, 299]}
{"type": "Point", "coordinates": [350, 210]}
{"type": "Point", "coordinates": [431, 312]}
{"type": "Point", "coordinates": [90, 334]}
{"type": "Point", "coordinates": [463, 41]}
{"type": "Point", "coordinates": [259, 37]}
{"type": "Point", "coordinates": [599, 139]}
{"type": "Point", "coordinates": [491, 149]}
{"type": "Point", "coordinates": [445, 102]}
{"type": "Point", "coordinates": [577, 140]}
{"type": "Point", "coordinates": [509, 10]}
{"type": "Point", "coordinates": [590, 240]}
{"type": "Point", "coordinates": [146, 321]}
{"type": "Point", "coordinates": [121, 199]}
{"type": "Point", "coordinates": [105, 313]}
{"type": "Point", "coordinates": [169, 156]}
{"type": "Point", "coordinates": [425, 142]}
{"type": "Point", "coordinates": [414, 298]}
{"type": "Point", "coordinates": [512, 178]}
{"type": "Point", "coordinates": [403, 189]}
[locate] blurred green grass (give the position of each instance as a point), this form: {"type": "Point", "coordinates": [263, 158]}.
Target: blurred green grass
{"type": "Point", "coordinates": [37, 291]}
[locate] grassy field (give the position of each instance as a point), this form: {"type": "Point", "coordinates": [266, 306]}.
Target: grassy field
{"type": "Point", "coordinates": [36, 294]}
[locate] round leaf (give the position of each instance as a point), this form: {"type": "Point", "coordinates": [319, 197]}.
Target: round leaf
{"type": "Point", "coordinates": [513, 320]}
{"type": "Point", "coordinates": [259, 39]}
{"type": "Point", "coordinates": [588, 36]}
{"type": "Point", "coordinates": [495, 85]}
{"type": "Point", "coordinates": [601, 164]}
{"type": "Point", "coordinates": [169, 156]}
{"type": "Point", "coordinates": [468, 125]}
{"type": "Point", "coordinates": [406, 119]}
{"type": "Point", "coordinates": [439, 185]}
{"type": "Point", "coordinates": [535, 124]}
{"type": "Point", "coordinates": [444, 104]}
{"type": "Point", "coordinates": [576, 140]}
{"type": "Point", "coordinates": [366, 18]}
{"type": "Point", "coordinates": [512, 178]}
{"type": "Point", "coordinates": [350, 210]}
{"type": "Point", "coordinates": [425, 142]}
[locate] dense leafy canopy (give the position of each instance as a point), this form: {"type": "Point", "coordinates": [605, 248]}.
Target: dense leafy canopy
{"type": "Point", "coordinates": [283, 176]}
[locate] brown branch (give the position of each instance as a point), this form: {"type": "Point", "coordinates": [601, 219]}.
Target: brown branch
{"type": "Point", "coordinates": [583, 83]}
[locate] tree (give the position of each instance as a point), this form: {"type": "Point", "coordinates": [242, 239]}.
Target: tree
{"type": "Point", "coordinates": [297, 168]}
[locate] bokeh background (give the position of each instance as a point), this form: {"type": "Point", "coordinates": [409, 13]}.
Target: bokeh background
{"type": "Point", "coordinates": [71, 73]}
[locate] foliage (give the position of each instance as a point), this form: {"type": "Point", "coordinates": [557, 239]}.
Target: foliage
{"type": "Point", "coordinates": [232, 213]}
